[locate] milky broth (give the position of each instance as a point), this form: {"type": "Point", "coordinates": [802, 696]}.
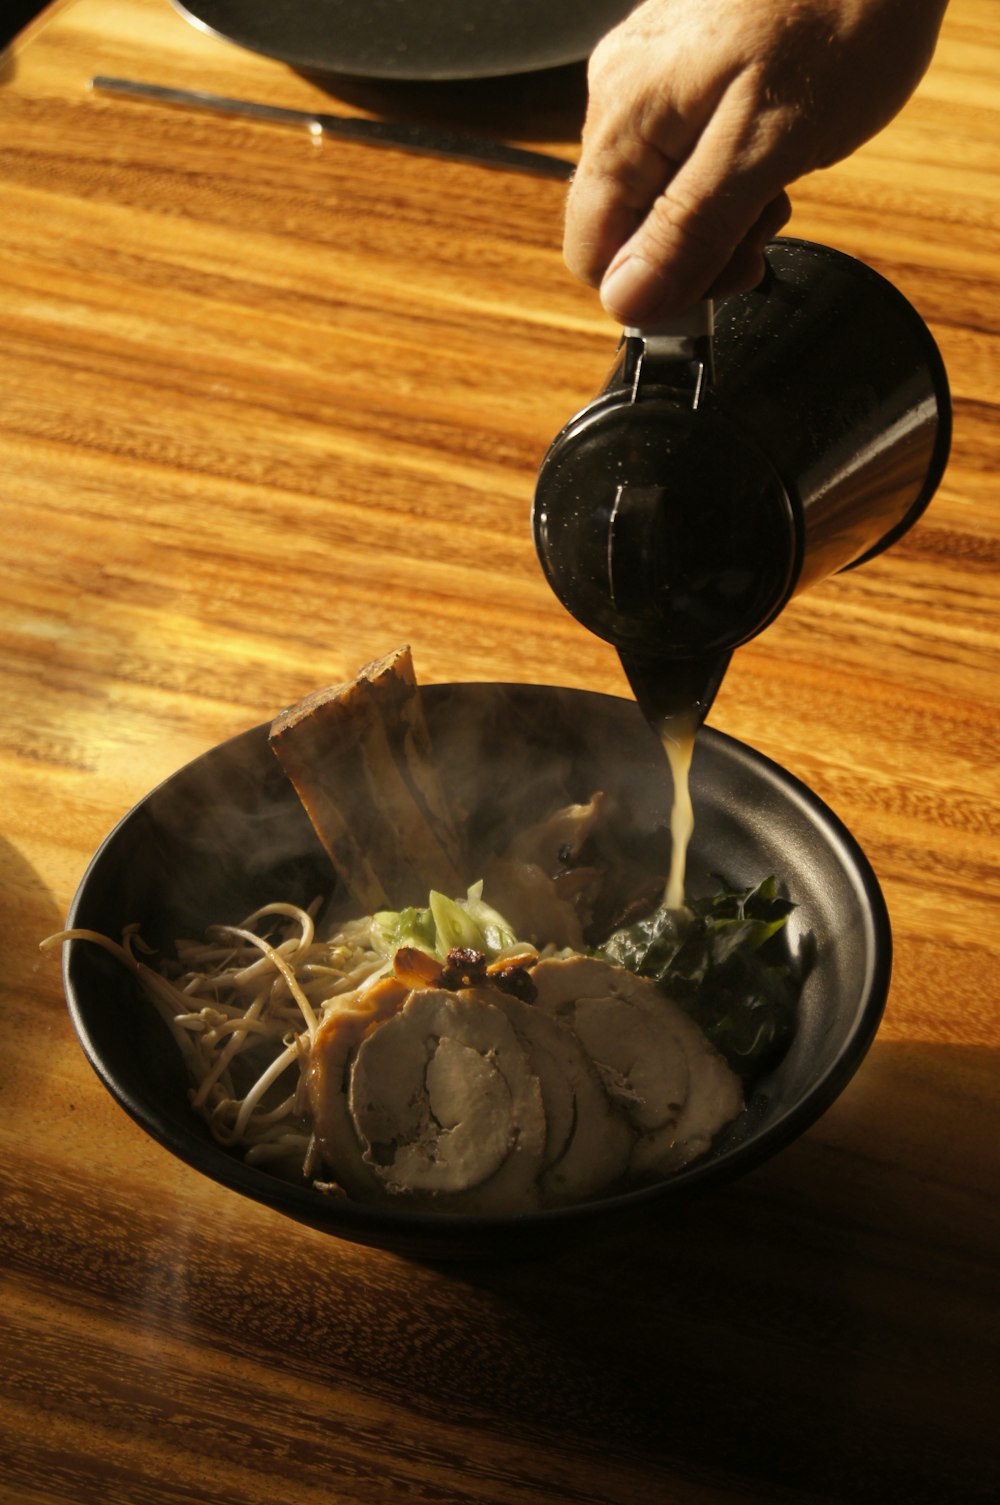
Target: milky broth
{"type": "Point", "coordinates": [674, 697]}
{"type": "Point", "coordinates": [677, 734]}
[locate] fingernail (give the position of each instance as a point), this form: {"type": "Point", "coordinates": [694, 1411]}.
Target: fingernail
{"type": "Point", "coordinates": [632, 290]}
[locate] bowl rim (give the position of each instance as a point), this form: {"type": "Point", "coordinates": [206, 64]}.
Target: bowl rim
{"type": "Point", "coordinates": [380, 1224]}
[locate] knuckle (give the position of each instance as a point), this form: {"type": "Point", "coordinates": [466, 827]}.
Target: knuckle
{"type": "Point", "coordinates": [679, 223]}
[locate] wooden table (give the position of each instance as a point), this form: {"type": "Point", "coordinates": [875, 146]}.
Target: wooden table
{"type": "Point", "coordinates": [268, 409]}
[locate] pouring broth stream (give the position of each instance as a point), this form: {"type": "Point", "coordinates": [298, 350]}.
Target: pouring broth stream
{"type": "Point", "coordinates": [675, 697]}
{"type": "Point", "coordinates": [677, 733]}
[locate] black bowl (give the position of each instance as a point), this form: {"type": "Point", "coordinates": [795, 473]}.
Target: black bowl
{"type": "Point", "coordinates": [227, 833]}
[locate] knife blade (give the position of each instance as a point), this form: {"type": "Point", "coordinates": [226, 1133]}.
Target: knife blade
{"type": "Point", "coordinates": [419, 139]}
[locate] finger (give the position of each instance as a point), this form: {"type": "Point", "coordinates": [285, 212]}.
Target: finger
{"type": "Point", "coordinates": [608, 200]}
{"type": "Point", "coordinates": [635, 136]}
{"type": "Point", "coordinates": [746, 267]}
{"type": "Point", "coordinates": [619, 175]}
{"type": "Point", "coordinates": [699, 223]}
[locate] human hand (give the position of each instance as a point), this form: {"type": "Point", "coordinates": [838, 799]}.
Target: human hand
{"type": "Point", "coordinates": [703, 112]}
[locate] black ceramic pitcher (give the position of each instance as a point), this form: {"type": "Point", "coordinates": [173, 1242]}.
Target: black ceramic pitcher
{"type": "Point", "coordinates": [722, 470]}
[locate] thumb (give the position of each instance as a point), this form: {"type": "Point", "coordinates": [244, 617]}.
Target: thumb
{"type": "Point", "coordinates": [707, 228]}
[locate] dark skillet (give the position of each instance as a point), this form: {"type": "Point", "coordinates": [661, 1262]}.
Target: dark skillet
{"type": "Point", "coordinates": [413, 39]}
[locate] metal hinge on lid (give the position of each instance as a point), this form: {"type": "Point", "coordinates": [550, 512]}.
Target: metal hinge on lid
{"type": "Point", "coordinates": [675, 354]}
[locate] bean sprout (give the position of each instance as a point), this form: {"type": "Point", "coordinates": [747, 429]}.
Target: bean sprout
{"type": "Point", "coordinates": [244, 1005]}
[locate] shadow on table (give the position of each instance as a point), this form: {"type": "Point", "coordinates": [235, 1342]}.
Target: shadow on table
{"type": "Point", "coordinates": [29, 914]}
{"type": "Point", "coordinates": [544, 106]}
{"type": "Point", "coordinates": [822, 1332]}
{"type": "Point", "coordinates": [826, 1327]}
{"type": "Point", "coordinates": [15, 15]}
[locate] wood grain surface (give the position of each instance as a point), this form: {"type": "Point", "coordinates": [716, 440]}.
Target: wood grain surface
{"type": "Point", "coordinates": [267, 409]}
